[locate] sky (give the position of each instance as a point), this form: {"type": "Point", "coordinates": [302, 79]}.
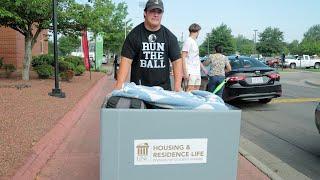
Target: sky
{"type": "Point", "coordinates": [293, 17]}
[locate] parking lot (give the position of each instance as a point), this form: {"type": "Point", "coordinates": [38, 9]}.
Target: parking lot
{"type": "Point", "coordinates": [285, 128]}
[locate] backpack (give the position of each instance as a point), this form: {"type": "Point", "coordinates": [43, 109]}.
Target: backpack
{"type": "Point", "coordinates": [118, 102]}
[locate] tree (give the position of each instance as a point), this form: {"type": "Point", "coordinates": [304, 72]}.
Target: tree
{"type": "Point", "coordinates": [68, 43]}
{"type": "Point", "coordinates": [309, 47]}
{"type": "Point", "coordinates": [116, 33]}
{"type": "Point", "coordinates": [293, 47]}
{"type": "Point", "coordinates": [28, 18]}
{"type": "Point", "coordinates": [104, 17]}
{"type": "Point", "coordinates": [311, 41]}
{"type": "Point", "coordinates": [244, 45]}
{"type": "Point", "coordinates": [220, 36]}
{"type": "Point", "coordinates": [31, 17]}
{"type": "Point", "coordinates": [203, 48]}
{"type": "Point", "coordinates": [313, 33]}
{"type": "Point", "coordinates": [271, 42]}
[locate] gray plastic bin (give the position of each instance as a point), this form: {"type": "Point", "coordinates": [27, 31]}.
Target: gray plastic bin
{"type": "Point", "coordinates": [169, 144]}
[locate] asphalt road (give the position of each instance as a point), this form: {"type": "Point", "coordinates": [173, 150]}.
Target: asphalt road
{"type": "Point", "coordinates": [285, 128]}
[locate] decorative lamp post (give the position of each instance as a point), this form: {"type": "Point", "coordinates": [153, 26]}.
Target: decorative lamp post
{"type": "Point", "coordinates": [56, 92]}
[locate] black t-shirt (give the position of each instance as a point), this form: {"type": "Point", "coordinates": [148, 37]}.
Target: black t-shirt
{"type": "Point", "coordinates": [150, 52]}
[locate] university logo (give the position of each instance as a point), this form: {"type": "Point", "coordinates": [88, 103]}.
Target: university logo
{"type": "Point", "coordinates": [142, 149]}
{"type": "Point", "coordinates": [152, 38]}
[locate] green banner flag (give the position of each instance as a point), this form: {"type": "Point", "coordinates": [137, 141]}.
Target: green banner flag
{"type": "Point", "coordinates": [99, 50]}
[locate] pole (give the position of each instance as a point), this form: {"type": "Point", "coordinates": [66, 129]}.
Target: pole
{"type": "Point", "coordinates": [255, 42]}
{"type": "Point", "coordinates": [56, 92]}
{"type": "Point", "coordinates": [95, 52]}
{"type": "Point", "coordinates": [125, 29]}
{"type": "Point", "coordinates": [208, 44]}
{"type": "Point", "coordinates": [89, 54]}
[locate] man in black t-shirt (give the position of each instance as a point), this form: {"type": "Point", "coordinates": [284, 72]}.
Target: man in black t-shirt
{"type": "Point", "coordinates": [148, 50]}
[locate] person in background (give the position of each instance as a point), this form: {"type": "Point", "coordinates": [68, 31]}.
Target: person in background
{"type": "Point", "coordinates": [283, 59]}
{"type": "Point", "coordinates": [116, 66]}
{"type": "Point", "coordinates": [219, 65]}
{"type": "Point", "coordinates": [148, 50]}
{"type": "Point", "coordinates": [191, 59]}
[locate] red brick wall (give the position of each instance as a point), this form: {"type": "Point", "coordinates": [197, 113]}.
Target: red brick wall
{"type": "Point", "coordinates": [12, 46]}
{"type": "Point", "coordinates": [8, 46]}
{"type": "Point", "coordinates": [41, 46]}
{"type": "Point", "coordinates": [19, 49]}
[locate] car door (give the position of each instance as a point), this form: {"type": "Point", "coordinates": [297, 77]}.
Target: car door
{"type": "Point", "coordinates": [300, 62]}
{"type": "Point", "coordinates": [305, 61]}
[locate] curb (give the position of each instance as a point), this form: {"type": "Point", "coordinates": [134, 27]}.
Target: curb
{"type": "Point", "coordinates": [263, 168]}
{"type": "Point", "coordinates": [271, 165]}
{"type": "Point", "coordinates": [50, 142]}
{"type": "Point", "coordinates": [312, 83]}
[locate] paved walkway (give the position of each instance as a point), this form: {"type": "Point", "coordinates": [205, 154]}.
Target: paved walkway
{"type": "Point", "coordinates": [77, 157]}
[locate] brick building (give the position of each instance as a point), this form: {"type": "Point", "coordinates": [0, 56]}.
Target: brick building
{"type": "Point", "coordinates": [12, 46]}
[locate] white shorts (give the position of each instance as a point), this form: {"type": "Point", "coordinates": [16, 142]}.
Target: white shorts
{"type": "Point", "coordinates": [194, 80]}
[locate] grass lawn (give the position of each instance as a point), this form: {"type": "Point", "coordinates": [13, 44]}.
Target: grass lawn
{"type": "Point", "coordinates": [297, 70]}
{"type": "Point", "coordinates": [313, 70]}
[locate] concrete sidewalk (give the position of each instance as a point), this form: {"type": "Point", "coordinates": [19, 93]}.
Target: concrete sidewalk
{"type": "Point", "coordinates": [77, 156]}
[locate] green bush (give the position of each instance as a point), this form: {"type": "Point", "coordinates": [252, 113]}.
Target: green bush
{"type": "Point", "coordinates": [44, 71]}
{"type": "Point", "coordinates": [42, 59]}
{"type": "Point", "coordinates": [1, 62]}
{"type": "Point", "coordinates": [75, 60]}
{"type": "Point", "coordinates": [67, 75]}
{"type": "Point", "coordinates": [9, 68]}
{"type": "Point", "coordinates": [64, 66]}
{"type": "Point", "coordinates": [80, 69]}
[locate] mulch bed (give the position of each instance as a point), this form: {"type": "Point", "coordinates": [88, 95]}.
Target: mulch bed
{"type": "Point", "coordinates": [27, 113]}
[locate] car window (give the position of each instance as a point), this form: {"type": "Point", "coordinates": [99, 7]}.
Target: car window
{"type": "Point", "coordinates": [237, 63]}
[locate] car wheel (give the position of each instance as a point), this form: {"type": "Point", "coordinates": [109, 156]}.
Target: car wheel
{"type": "Point", "coordinates": [292, 65]}
{"type": "Point", "coordinates": [317, 66]}
{"type": "Point", "coordinates": [265, 101]}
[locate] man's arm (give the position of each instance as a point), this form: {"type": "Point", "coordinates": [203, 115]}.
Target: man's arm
{"type": "Point", "coordinates": [125, 66]}
{"type": "Point", "coordinates": [207, 62]}
{"type": "Point", "coordinates": [177, 74]}
{"type": "Point", "coordinates": [203, 69]}
{"type": "Point", "coordinates": [184, 64]}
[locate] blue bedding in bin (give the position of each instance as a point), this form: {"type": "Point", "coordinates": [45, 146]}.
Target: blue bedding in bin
{"type": "Point", "coordinates": [174, 100]}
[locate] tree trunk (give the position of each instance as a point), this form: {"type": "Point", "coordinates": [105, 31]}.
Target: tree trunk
{"type": "Point", "coordinates": [27, 58]}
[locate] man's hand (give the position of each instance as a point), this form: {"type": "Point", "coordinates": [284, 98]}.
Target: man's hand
{"type": "Point", "coordinates": [186, 76]}
{"type": "Point", "coordinates": [125, 66]}
{"type": "Point", "coordinates": [205, 71]}
{"type": "Point", "coordinates": [117, 86]}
